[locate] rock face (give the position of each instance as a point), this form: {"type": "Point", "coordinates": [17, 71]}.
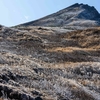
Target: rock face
{"type": "Point", "coordinates": [75, 15]}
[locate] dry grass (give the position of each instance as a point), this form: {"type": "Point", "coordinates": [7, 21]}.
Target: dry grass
{"type": "Point", "coordinates": [45, 61]}
{"type": "Point", "coordinates": [86, 38]}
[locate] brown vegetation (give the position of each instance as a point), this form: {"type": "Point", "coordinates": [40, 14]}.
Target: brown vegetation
{"type": "Point", "coordinates": [42, 64]}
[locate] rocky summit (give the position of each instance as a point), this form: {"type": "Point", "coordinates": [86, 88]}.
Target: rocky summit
{"type": "Point", "coordinates": [53, 58]}
{"type": "Point", "coordinates": [75, 15]}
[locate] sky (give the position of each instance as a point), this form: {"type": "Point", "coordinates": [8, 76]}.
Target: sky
{"type": "Point", "coordinates": [15, 12]}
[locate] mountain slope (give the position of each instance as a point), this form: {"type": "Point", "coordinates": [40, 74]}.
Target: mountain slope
{"type": "Point", "coordinates": [40, 63]}
{"type": "Point", "coordinates": [75, 15]}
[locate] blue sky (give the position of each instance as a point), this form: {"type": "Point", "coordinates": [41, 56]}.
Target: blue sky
{"type": "Point", "coordinates": [14, 12]}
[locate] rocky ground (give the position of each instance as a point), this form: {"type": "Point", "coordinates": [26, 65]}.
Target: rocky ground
{"type": "Point", "coordinates": [39, 63]}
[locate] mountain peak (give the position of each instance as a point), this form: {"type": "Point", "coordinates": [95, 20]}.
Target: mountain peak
{"type": "Point", "coordinates": [79, 5]}
{"type": "Point", "coordinates": [74, 5]}
{"type": "Point", "coordinates": [76, 14]}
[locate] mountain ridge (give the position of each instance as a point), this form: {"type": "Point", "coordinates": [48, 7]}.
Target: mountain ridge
{"type": "Point", "coordinates": [74, 15]}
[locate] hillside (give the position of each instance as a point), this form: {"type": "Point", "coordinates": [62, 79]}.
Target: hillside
{"type": "Point", "coordinates": [49, 63]}
{"type": "Point", "coordinates": [76, 15]}
{"type": "Point", "coordinates": [53, 58]}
